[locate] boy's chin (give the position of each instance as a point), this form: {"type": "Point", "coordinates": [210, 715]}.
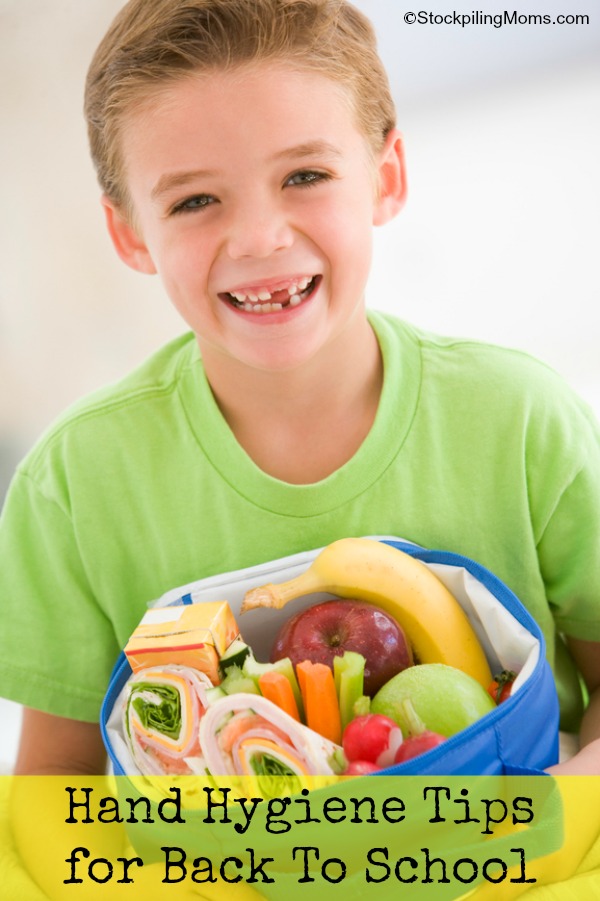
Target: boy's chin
{"type": "Point", "coordinates": [281, 354]}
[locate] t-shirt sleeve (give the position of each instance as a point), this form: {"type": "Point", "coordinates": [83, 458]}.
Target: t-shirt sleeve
{"type": "Point", "coordinates": [57, 647]}
{"type": "Point", "coordinates": [569, 544]}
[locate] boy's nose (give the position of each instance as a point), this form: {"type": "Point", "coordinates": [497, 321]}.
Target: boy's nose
{"type": "Point", "coordinates": [258, 231]}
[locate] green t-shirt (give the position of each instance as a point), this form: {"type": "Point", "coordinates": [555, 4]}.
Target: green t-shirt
{"type": "Point", "coordinates": [142, 487]}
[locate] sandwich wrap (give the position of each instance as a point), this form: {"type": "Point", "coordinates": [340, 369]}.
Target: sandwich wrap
{"type": "Point", "coordinates": [162, 710]}
{"type": "Point", "coordinates": [248, 735]}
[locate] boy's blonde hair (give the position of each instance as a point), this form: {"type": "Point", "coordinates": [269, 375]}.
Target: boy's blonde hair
{"type": "Point", "coordinates": [154, 42]}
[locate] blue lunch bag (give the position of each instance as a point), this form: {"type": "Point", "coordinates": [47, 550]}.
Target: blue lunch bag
{"type": "Point", "coordinates": [519, 737]}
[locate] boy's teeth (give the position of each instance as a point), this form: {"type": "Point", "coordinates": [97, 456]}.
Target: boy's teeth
{"type": "Point", "coordinates": [262, 307]}
{"type": "Point", "coordinates": [261, 301]}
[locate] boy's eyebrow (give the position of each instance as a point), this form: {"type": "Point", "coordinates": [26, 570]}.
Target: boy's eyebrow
{"type": "Point", "coordinates": [308, 149]}
{"type": "Point", "coordinates": [176, 179]}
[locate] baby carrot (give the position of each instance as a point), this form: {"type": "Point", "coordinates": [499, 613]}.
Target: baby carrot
{"type": "Point", "coordinates": [320, 699]}
{"type": "Point", "coordinates": [277, 688]}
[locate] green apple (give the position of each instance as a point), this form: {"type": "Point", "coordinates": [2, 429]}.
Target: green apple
{"type": "Point", "coordinates": [443, 697]}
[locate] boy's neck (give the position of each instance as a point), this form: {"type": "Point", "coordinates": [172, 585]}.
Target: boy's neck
{"type": "Point", "coordinates": [303, 424]}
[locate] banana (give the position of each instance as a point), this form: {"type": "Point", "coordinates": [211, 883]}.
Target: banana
{"type": "Point", "coordinates": [435, 624]}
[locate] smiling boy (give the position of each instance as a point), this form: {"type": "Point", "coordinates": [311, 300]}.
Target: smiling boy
{"type": "Point", "coordinates": [246, 149]}
{"type": "Point", "coordinates": [254, 248]}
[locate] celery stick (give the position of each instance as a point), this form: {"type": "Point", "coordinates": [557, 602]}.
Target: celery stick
{"type": "Point", "coordinates": [348, 671]}
{"type": "Point", "coordinates": [362, 707]}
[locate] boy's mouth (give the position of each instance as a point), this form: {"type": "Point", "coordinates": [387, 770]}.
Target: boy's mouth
{"type": "Point", "coordinates": [260, 299]}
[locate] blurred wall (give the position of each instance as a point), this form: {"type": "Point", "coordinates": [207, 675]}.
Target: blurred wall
{"type": "Point", "coordinates": [498, 240]}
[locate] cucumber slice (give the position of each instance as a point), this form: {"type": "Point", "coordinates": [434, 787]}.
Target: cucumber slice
{"type": "Point", "coordinates": [241, 686]}
{"type": "Point", "coordinates": [214, 693]}
{"type": "Point", "coordinates": [235, 655]}
{"type": "Point", "coordinates": [236, 681]}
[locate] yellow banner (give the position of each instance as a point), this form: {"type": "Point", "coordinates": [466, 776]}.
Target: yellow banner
{"type": "Point", "coordinates": [377, 838]}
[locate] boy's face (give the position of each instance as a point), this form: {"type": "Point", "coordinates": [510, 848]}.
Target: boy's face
{"type": "Point", "coordinates": [254, 197]}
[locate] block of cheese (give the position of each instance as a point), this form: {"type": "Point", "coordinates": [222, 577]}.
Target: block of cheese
{"type": "Point", "coordinates": [194, 635]}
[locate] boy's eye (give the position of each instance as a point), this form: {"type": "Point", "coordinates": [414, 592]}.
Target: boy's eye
{"type": "Point", "coordinates": [190, 204]}
{"type": "Point", "coordinates": [307, 177]}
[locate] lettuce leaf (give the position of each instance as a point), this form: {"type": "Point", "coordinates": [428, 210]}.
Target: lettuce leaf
{"type": "Point", "coordinates": [158, 707]}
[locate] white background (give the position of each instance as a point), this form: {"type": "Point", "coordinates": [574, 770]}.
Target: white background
{"type": "Point", "coordinates": [499, 239]}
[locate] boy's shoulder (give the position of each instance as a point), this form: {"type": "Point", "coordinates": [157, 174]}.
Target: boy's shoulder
{"type": "Point", "coordinates": [480, 372]}
{"type": "Point", "coordinates": [463, 356]}
{"type": "Point", "coordinates": [155, 376]}
{"type": "Point", "coordinates": [461, 353]}
{"type": "Point", "coordinates": [154, 379]}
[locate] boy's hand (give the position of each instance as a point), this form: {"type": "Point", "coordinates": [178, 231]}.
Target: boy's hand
{"type": "Point", "coordinates": [83, 859]}
{"type": "Point", "coordinates": [53, 745]}
{"type": "Point", "coordinates": [585, 763]}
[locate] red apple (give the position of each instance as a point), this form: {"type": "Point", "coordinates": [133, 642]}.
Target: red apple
{"type": "Point", "coordinates": [325, 630]}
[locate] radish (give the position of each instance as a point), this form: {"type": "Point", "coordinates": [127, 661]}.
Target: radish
{"type": "Point", "coordinates": [372, 738]}
{"type": "Point", "coordinates": [418, 744]}
{"type": "Point", "coordinates": [360, 768]}
{"type": "Point", "coordinates": [419, 738]}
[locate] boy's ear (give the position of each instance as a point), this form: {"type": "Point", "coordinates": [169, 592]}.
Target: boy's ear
{"type": "Point", "coordinates": [391, 179]}
{"type": "Point", "coordinates": [127, 242]}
